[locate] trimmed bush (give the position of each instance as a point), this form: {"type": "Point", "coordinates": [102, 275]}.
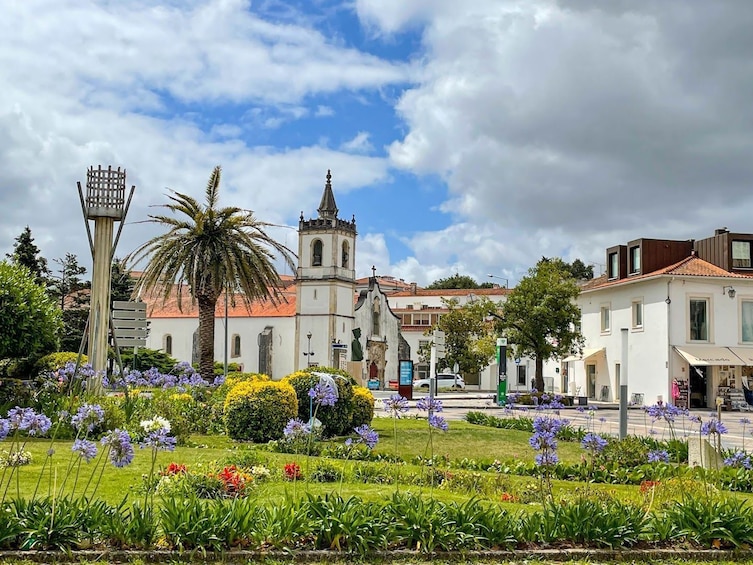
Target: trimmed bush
{"type": "Point", "coordinates": [55, 361]}
{"type": "Point", "coordinates": [336, 420]}
{"type": "Point", "coordinates": [258, 411]}
{"type": "Point", "coordinates": [363, 406]}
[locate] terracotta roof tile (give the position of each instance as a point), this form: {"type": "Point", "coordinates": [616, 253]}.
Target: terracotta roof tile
{"type": "Point", "coordinates": [258, 309]}
{"type": "Point", "coordinates": [692, 266]}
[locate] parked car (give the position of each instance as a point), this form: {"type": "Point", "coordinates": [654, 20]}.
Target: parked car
{"type": "Point", "coordinates": [444, 380]}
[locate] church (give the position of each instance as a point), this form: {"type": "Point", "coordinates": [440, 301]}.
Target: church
{"type": "Point", "coordinates": [321, 319]}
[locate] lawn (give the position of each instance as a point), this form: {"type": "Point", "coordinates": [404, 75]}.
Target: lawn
{"type": "Point", "coordinates": [462, 440]}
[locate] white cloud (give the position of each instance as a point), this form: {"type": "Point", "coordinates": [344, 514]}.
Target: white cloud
{"type": "Point", "coordinates": [569, 126]}
{"type": "Point", "coordinates": [324, 111]}
{"type": "Point", "coordinates": [359, 144]}
{"type": "Point", "coordinates": [80, 77]}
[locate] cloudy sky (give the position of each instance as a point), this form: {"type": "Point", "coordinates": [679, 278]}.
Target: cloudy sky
{"type": "Point", "coordinates": [469, 137]}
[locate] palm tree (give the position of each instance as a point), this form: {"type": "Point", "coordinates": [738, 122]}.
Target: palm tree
{"type": "Point", "coordinates": [211, 250]}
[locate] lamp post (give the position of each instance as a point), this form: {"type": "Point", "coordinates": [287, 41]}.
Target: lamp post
{"type": "Point", "coordinates": [507, 281]}
{"type": "Point", "coordinates": [309, 354]}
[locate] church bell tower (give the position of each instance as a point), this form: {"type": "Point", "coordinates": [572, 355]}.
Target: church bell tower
{"type": "Point", "coordinates": [325, 285]}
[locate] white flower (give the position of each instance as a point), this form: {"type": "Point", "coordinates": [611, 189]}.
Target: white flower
{"type": "Point", "coordinates": [157, 423]}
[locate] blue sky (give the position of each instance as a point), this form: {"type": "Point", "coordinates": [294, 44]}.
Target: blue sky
{"type": "Point", "coordinates": [469, 137]}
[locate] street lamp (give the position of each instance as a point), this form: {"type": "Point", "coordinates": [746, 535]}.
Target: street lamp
{"type": "Point", "coordinates": [507, 281]}
{"type": "Point", "coordinates": [309, 354]}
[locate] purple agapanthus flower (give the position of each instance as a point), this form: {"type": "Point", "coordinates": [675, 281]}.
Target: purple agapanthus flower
{"type": "Point", "coordinates": [296, 427]}
{"type": "Point", "coordinates": [428, 404]}
{"type": "Point", "coordinates": [547, 424]}
{"type": "Point", "coordinates": [367, 435]}
{"type": "Point", "coordinates": [593, 443]}
{"type": "Point", "coordinates": [85, 448]}
{"type": "Point", "coordinates": [546, 459]}
{"type": "Point", "coordinates": [396, 405]}
{"type": "Point", "coordinates": [323, 394]}
{"type": "Point", "coordinates": [658, 456]}
{"type": "Point", "coordinates": [87, 417]}
{"type": "Point", "coordinates": [713, 426]}
{"type": "Point", "coordinates": [121, 449]}
{"type": "Point", "coordinates": [739, 459]}
{"type": "Point", "coordinates": [438, 422]}
{"type": "Point", "coordinates": [158, 439]}
{"type": "Point", "coordinates": [39, 425]}
{"type": "Point", "coordinates": [4, 428]}
{"type": "Point", "coordinates": [20, 418]}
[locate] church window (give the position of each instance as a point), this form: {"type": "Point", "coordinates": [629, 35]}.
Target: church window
{"type": "Point", "coordinates": [316, 258]}
{"type": "Point", "coordinates": [236, 352]}
{"type": "Point", "coordinates": [346, 255]}
{"type": "Point", "coordinates": [168, 344]}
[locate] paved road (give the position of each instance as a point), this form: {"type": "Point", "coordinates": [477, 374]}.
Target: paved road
{"type": "Point", "coordinates": [605, 418]}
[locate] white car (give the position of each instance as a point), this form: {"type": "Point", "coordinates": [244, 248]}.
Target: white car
{"type": "Point", "coordinates": [444, 380]}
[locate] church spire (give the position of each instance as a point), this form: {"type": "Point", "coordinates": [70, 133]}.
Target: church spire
{"type": "Point", "coordinates": [327, 207]}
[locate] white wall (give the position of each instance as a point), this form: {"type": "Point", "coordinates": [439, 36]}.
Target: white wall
{"type": "Point", "coordinates": [182, 330]}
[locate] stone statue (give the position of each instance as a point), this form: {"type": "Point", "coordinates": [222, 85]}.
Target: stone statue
{"type": "Point", "coordinates": [355, 347]}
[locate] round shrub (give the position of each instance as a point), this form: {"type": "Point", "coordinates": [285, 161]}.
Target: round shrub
{"type": "Point", "coordinates": [363, 406]}
{"type": "Point", "coordinates": [336, 420]}
{"type": "Point", "coordinates": [258, 411]}
{"type": "Point", "coordinates": [55, 361]}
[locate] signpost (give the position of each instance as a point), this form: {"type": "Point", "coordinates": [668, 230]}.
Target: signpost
{"type": "Point", "coordinates": [502, 365]}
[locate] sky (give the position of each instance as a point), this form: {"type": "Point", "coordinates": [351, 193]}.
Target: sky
{"type": "Point", "coordinates": [465, 137]}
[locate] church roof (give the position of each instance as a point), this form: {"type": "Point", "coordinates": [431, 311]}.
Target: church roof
{"type": "Point", "coordinates": [328, 207]}
{"type": "Point", "coordinates": [156, 308]}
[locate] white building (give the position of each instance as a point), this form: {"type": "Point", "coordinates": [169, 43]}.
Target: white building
{"type": "Point", "coordinates": [685, 311]}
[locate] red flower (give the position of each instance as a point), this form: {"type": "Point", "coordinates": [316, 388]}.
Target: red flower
{"type": "Point", "coordinates": [174, 469]}
{"type": "Point", "coordinates": [292, 472]}
{"type": "Point", "coordinates": [648, 485]}
{"type": "Point", "coordinates": [234, 481]}
{"type": "Point", "coordinates": [507, 497]}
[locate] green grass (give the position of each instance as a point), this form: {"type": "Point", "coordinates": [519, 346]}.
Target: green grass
{"type": "Point", "coordinates": [463, 440]}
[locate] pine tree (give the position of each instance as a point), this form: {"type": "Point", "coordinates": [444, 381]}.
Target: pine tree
{"type": "Point", "coordinates": [26, 253]}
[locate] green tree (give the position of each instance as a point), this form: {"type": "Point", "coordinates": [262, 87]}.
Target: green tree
{"type": "Point", "coordinates": [121, 281]}
{"type": "Point", "coordinates": [580, 271]}
{"type": "Point", "coordinates": [540, 315]}
{"type": "Point", "coordinates": [211, 250]}
{"type": "Point", "coordinates": [455, 281]}
{"type": "Point", "coordinates": [29, 318]}
{"type": "Point", "coordinates": [469, 337]}
{"type": "Point", "coordinates": [71, 292]}
{"type": "Point", "coordinates": [26, 253]}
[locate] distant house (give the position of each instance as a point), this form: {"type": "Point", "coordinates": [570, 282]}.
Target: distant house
{"type": "Point", "coordinates": [679, 314]}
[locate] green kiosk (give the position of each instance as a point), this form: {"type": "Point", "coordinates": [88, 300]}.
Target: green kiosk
{"type": "Point", "coordinates": [502, 364]}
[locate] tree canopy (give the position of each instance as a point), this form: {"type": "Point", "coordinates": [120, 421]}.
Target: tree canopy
{"type": "Point", "coordinates": [29, 319]}
{"type": "Point", "coordinates": [211, 250]}
{"type": "Point", "coordinates": [540, 317]}
{"type": "Point", "coordinates": [457, 281]}
{"type": "Point", "coordinates": [469, 338]}
{"type": "Point", "coordinates": [26, 253]}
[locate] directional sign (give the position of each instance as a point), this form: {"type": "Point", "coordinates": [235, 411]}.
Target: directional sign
{"type": "Point", "coordinates": [439, 341]}
{"type": "Point", "coordinates": [129, 323]}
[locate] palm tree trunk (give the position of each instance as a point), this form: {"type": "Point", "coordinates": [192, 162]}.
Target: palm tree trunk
{"type": "Point", "coordinates": [539, 374]}
{"type": "Point", "coordinates": [206, 336]}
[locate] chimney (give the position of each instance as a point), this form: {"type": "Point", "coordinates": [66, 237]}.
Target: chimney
{"type": "Point", "coordinates": [720, 231]}
{"type": "Point", "coordinates": [413, 288]}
